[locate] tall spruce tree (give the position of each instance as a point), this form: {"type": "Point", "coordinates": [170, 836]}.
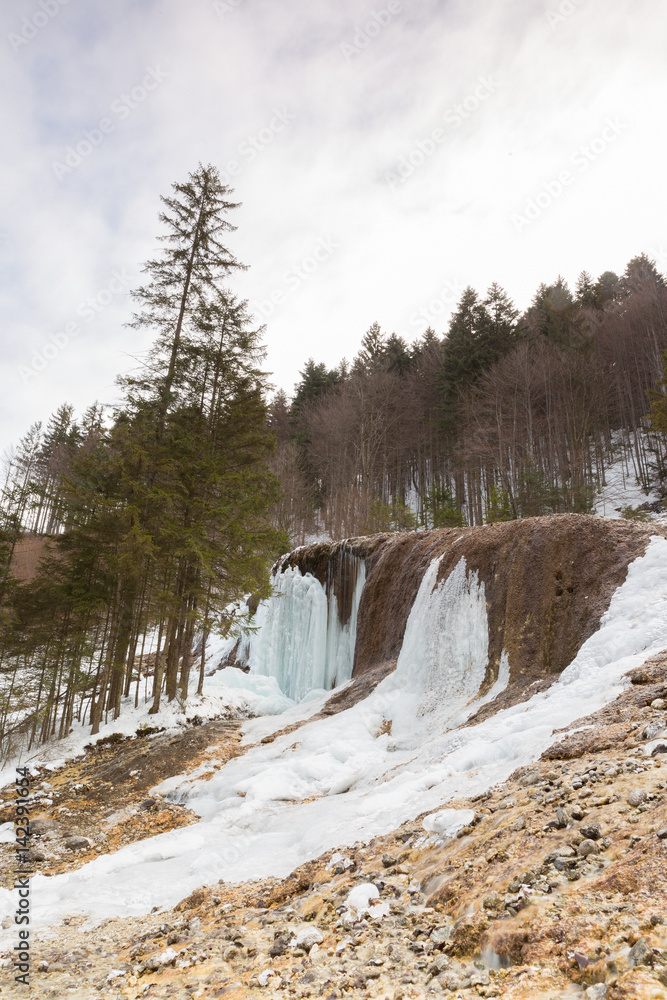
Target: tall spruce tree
{"type": "Point", "coordinates": [165, 513]}
{"type": "Point", "coordinates": [189, 274]}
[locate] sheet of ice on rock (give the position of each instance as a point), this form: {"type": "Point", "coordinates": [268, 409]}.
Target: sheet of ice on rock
{"type": "Point", "coordinates": [255, 820]}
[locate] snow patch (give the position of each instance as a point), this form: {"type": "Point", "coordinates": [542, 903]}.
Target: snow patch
{"type": "Point", "coordinates": [448, 822]}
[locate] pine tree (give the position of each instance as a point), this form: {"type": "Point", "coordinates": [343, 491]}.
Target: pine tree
{"type": "Point", "coordinates": [166, 513]}
{"type": "Point", "coordinates": [555, 314]}
{"type": "Point", "coordinates": [188, 276]}
{"type": "Point", "coordinates": [641, 274]}
{"type": "Point", "coordinates": [397, 355]}
{"type": "Point", "coordinates": [586, 292]}
{"type": "Point", "coordinates": [500, 331]}
{"type": "Point", "coordinates": [607, 287]}
{"type": "Point", "coordinates": [373, 352]}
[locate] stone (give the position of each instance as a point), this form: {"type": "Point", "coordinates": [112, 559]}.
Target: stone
{"type": "Point", "coordinates": [76, 843]}
{"type": "Point", "coordinates": [309, 936]}
{"type": "Point", "coordinates": [652, 730]}
{"type": "Point", "coordinates": [590, 830]}
{"type": "Point", "coordinates": [596, 992]}
{"type": "Point", "coordinates": [440, 935]}
{"type": "Point", "coordinates": [564, 864]}
{"type": "Point", "coordinates": [659, 703]}
{"type": "Point", "coordinates": [587, 847]}
{"type": "Point", "coordinates": [41, 825]}
{"type": "Point", "coordinates": [577, 813]}
{"type": "Point", "coordinates": [493, 902]}
{"type": "Point", "coordinates": [519, 824]}
{"type": "Point", "coordinates": [388, 861]}
{"type": "Point", "coordinates": [636, 796]}
{"type": "Point", "coordinates": [507, 803]}
{"type": "Point", "coordinates": [561, 852]}
{"type": "Point", "coordinates": [562, 818]}
{"type": "Point", "coordinates": [450, 981]}
{"type": "Point", "coordinates": [640, 953]}
{"type": "Point", "coordinates": [662, 834]}
{"type": "Point", "coordinates": [440, 964]}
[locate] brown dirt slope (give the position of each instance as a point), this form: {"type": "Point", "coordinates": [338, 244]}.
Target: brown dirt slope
{"type": "Point", "coordinates": [555, 890]}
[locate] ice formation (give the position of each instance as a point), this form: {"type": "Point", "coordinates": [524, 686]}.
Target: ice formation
{"type": "Point", "coordinates": [299, 637]}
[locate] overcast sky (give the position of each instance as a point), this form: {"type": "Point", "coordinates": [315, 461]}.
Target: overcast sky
{"type": "Point", "coordinates": [385, 154]}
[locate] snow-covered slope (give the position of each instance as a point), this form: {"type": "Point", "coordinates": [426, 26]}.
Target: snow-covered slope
{"type": "Point", "coordinates": [396, 754]}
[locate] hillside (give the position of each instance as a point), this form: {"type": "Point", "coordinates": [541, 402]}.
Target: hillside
{"type": "Point", "coordinates": [500, 691]}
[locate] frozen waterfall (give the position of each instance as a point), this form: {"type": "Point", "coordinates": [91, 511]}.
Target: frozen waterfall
{"type": "Point", "coordinates": [299, 638]}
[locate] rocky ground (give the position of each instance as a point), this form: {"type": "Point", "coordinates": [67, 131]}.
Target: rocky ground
{"type": "Point", "coordinates": [101, 801]}
{"type": "Point", "coordinates": [556, 888]}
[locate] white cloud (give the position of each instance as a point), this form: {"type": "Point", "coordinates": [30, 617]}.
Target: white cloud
{"type": "Point", "coordinates": [324, 174]}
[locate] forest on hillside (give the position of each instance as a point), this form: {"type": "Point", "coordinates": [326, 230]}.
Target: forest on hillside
{"type": "Point", "coordinates": [504, 416]}
{"type": "Point", "coordinates": [128, 535]}
{"type": "Point", "coordinates": [151, 520]}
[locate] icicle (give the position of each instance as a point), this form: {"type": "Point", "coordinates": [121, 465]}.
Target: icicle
{"type": "Point", "coordinates": [300, 639]}
{"type": "Point", "coordinates": [445, 652]}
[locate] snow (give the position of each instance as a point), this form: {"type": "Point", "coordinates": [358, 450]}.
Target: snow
{"type": "Point", "coordinates": [343, 778]}
{"type": "Point", "coordinates": [229, 692]}
{"type": "Point", "coordinates": [622, 486]}
{"type": "Point", "coordinates": [363, 899]}
{"type": "Point", "coordinates": [448, 822]}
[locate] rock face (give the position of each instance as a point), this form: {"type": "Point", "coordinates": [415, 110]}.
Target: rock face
{"type": "Point", "coordinates": [547, 582]}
